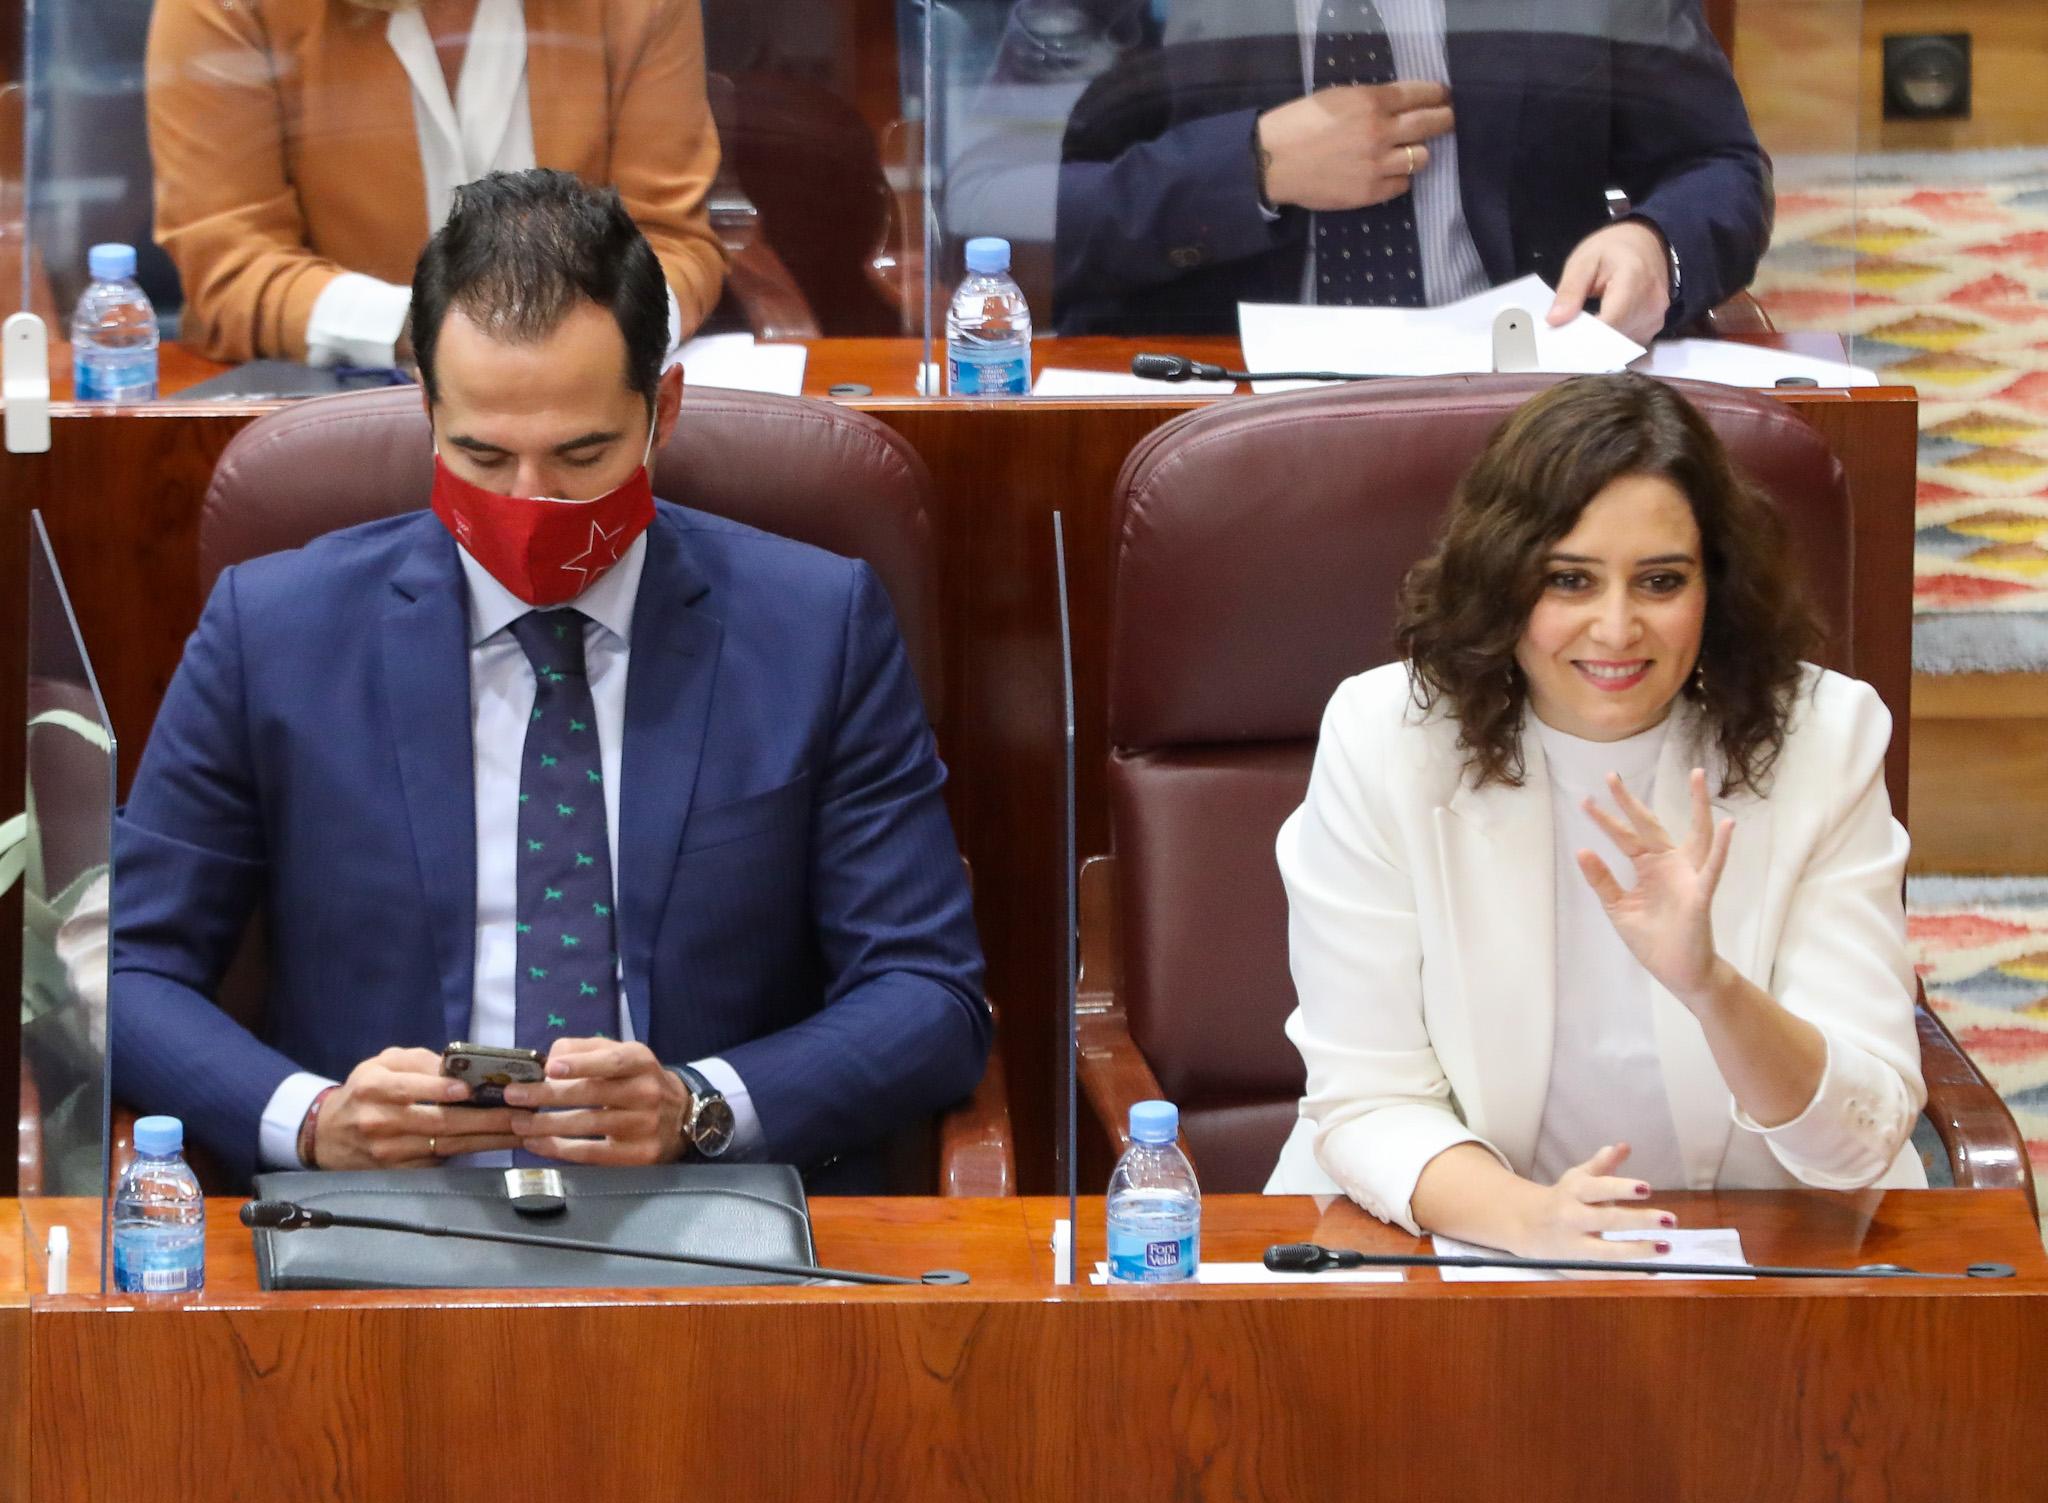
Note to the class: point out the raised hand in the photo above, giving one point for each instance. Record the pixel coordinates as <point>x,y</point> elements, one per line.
<point>1666,918</point>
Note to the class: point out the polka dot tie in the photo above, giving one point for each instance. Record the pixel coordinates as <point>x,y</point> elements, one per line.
<point>566,985</point>
<point>1369,255</point>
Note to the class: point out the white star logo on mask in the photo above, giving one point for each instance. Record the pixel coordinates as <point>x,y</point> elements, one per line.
<point>588,563</point>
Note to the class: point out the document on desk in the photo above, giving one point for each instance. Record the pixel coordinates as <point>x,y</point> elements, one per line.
<point>1259,1273</point>
<point>737,363</point>
<point>1060,381</point>
<point>1718,1245</point>
<point>1731,362</point>
<point>1451,340</point>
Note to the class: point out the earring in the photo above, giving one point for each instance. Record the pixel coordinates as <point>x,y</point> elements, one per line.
<point>1699,679</point>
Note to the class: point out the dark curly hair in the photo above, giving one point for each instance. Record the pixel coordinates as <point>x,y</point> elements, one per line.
<point>1464,607</point>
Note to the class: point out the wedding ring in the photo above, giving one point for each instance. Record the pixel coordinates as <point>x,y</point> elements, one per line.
<point>433,1148</point>
<point>1411,159</point>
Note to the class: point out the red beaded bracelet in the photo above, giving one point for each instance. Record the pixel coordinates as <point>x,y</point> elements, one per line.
<point>309,1130</point>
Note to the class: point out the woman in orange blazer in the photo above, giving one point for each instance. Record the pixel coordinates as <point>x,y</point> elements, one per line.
<point>289,136</point>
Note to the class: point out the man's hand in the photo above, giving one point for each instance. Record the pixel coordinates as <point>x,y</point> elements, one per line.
<point>1346,148</point>
<point>603,1103</point>
<point>1625,266</point>
<point>396,1112</point>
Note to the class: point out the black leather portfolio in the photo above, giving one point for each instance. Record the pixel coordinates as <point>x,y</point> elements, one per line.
<point>753,1211</point>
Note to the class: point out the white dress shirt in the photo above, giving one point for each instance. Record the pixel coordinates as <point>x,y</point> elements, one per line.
<point>486,126</point>
<point>1606,1077</point>
<point>1451,267</point>
<point>501,694</point>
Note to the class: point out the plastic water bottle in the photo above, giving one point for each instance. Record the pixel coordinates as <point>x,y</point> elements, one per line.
<point>159,1215</point>
<point>113,332</point>
<point>1155,1206</point>
<point>988,328</point>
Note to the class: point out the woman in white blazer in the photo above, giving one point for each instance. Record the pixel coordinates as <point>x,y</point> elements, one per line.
<point>1597,892</point>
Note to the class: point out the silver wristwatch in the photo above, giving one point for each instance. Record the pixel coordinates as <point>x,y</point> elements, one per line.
<point>709,1127</point>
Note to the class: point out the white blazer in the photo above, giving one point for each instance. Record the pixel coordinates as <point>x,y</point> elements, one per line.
<point>1422,937</point>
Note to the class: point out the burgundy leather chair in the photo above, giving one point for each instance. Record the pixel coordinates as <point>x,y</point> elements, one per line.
<point>808,470</point>
<point>1258,547</point>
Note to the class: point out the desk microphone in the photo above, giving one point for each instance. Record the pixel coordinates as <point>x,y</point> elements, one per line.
<point>1180,368</point>
<point>1308,1257</point>
<point>290,1216</point>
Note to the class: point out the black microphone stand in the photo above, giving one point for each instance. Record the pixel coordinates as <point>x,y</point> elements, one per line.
<point>290,1216</point>
<point>1308,1257</point>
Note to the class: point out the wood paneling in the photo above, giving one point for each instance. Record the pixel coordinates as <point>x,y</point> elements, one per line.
<point>2009,49</point>
<point>1980,773</point>
<point>1812,73</point>
<point>122,493</point>
<point>1008,1388</point>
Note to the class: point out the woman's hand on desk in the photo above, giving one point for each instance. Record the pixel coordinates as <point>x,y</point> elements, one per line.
<point>1666,918</point>
<point>1566,1220</point>
<point>398,1111</point>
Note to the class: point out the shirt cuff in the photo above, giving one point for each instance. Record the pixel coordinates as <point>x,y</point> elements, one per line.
<point>1849,1133</point>
<point>356,320</point>
<point>747,1144</point>
<point>277,1144</point>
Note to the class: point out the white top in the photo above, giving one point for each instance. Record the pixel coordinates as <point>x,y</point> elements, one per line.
<point>1606,1080</point>
<point>501,693</point>
<point>487,126</point>
<point>1451,268</point>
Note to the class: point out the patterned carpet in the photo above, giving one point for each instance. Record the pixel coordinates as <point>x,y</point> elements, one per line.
<point>1981,944</point>
<point>1937,268</point>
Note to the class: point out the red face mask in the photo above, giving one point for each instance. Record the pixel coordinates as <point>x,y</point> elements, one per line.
<point>542,550</point>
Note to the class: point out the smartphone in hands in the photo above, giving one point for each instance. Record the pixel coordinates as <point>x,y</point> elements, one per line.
<point>487,1070</point>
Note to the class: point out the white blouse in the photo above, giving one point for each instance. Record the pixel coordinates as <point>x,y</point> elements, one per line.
<point>1606,1078</point>
<point>486,126</point>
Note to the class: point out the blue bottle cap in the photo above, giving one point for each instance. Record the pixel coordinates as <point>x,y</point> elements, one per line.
<point>111,262</point>
<point>158,1136</point>
<point>1155,1122</point>
<point>988,255</point>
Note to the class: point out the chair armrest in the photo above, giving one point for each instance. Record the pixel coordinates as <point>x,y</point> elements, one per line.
<point>28,1156</point>
<point>1741,314</point>
<point>1985,1149</point>
<point>1114,1074</point>
<point>976,1153</point>
<point>774,305</point>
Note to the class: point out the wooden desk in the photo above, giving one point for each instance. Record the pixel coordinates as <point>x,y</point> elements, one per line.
<point>14,1356</point>
<point>121,493</point>
<point>1010,1388</point>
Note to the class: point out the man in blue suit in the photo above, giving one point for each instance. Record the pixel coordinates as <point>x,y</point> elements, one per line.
<point>1446,145</point>
<point>650,792</point>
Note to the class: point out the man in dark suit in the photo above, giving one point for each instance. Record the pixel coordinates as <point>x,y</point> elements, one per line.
<point>645,790</point>
<point>1457,143</point>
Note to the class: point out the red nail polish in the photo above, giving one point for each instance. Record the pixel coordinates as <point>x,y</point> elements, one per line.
<point>1663,1247</point>
<point>1667,1220</point>
<point>1642,1189</point>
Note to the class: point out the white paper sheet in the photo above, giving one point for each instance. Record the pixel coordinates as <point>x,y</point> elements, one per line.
<point>737,363</point>
<point>1720,1246</point>
<point>1454,339</point>
<point>1061,381</point>
<point>1259,1273</point>
<point>1733,363</point>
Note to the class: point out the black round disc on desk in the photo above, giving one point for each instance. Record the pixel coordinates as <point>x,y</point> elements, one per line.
<point>850,389</point>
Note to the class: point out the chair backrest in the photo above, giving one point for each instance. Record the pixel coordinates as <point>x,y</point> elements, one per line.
<point>1258,548</point>
<point>807,470</point>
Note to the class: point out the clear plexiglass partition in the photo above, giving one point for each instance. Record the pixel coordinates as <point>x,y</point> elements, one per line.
<point>65,852</point>
<point>1156,164</point>
<point>277,165</point>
